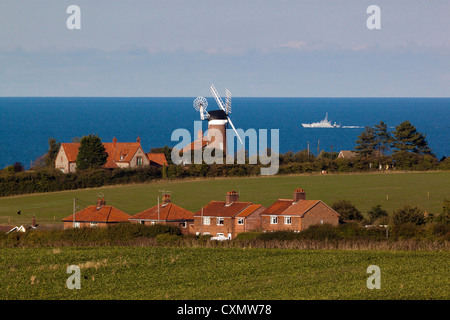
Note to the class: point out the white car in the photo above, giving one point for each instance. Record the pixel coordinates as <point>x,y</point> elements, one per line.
<point>220,238</point>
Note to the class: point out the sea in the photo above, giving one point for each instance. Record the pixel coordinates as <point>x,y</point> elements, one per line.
<point>27,123</point>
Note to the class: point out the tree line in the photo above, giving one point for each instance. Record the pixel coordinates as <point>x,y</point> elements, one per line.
<point>404,149</point>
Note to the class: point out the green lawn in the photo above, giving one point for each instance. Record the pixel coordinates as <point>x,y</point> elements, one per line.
<point>221,273</point>
<point>426,189</point>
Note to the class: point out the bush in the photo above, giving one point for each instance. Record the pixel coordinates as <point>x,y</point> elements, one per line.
<point>408,214</point>
<point>279,235</point>
<point>406,230</point>
<point>346,210</point>
<point>321,232</point>
<point>167,239</point>
<point>86,236</point>
<point>248,236</point>
<point>376,213</point>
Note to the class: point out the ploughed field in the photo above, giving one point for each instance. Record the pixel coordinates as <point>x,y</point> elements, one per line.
<point>391,191</point>
<point>221,273</point>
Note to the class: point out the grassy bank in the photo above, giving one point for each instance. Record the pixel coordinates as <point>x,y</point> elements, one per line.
<point>221,273</point>
<point>425,189</point>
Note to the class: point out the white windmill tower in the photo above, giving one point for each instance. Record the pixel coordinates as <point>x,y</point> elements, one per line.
<point>217,119</point>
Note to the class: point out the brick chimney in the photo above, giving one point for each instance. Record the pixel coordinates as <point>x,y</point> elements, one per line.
<point>100,203</point>
<point>299,194</point>
<point>232,196</point>
<point>33,222</point>
<point>138,139</point>
<point>166,199</point>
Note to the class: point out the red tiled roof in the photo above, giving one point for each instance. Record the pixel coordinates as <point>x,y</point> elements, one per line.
<point>220,209</point>
<point>249,210</point>
<point>159,158</point>
<point>278,207</point>
<point>300,208</point>
<point>105,214</point>
<point>121,151</point>
<point>167,212</point>
<point>287,207</point>
<point>197,144</point>
<point>71,150</point>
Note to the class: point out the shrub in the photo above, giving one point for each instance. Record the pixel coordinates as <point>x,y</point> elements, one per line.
<point>167,239</point>
<point>279,235</point>
<point>376,213</point>
<point>406,230</point>
<point>248,236</point>
<point>320,232</point>
<point>408,214</point>
<point>346,210</point>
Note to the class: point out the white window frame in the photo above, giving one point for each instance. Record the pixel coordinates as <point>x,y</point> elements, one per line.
<point>206,221</point>
<point>273,219</point>
<point>93,225</point>
<point>76,225</point>
<point>240,221</point>
<point>220,221</point>
<point>288,220</point>
<point>220,234</point>
<point>183,224</point>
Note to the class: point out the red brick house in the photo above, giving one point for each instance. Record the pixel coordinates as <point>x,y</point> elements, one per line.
<point>120,155</point>
<point>166,213</point>
<point>99,215</point>
<point>297,214</point>
<point>228,218</point>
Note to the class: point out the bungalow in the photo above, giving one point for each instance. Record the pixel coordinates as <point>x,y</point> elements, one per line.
<point>99,215</point>
<point>166,213</point>
<point>120,155</point>
<point>228,218</point>
<point>297,214</point>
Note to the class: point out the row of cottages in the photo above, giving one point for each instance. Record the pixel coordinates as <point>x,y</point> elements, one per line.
<point>221,219</point>
<point>102,215</point>
<point>120,155</point>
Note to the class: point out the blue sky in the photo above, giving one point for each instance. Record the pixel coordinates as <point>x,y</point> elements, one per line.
<point>252,47</point>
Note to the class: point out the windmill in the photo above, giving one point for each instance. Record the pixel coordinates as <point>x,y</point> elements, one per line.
<point>217,119</point>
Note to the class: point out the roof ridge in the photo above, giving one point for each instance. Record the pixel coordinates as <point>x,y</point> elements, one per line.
<point>242,209</point>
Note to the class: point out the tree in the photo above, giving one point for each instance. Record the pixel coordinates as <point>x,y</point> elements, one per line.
<point>53,149</point>
<point>18,167</point>
<point>408,214</point>
<point>365,145</point>
<point>376,212</point>
<point>382,137</point>
<point>91,153</point>
<point>407,138</point>
<point>346,210</point>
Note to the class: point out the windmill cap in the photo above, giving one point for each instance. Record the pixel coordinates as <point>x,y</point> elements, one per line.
<point>217,115</point>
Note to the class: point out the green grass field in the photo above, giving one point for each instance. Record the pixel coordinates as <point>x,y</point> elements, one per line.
<point>425,189</point>
<point>221,273</point>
